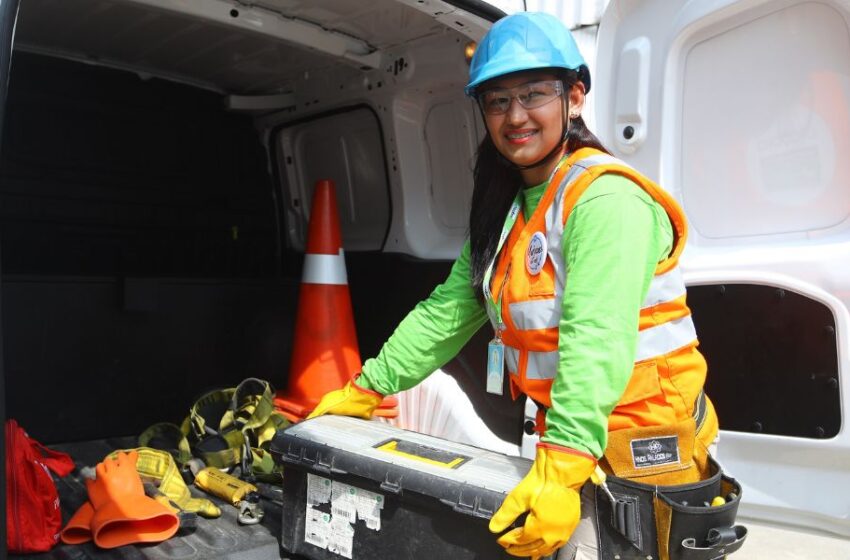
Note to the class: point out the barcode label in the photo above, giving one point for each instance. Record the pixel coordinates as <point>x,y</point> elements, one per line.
<point>344,512</point>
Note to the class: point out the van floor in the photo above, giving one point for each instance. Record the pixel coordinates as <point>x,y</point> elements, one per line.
<point>212,538</point>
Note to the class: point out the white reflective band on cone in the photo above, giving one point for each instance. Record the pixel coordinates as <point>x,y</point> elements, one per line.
<point>324,269</point>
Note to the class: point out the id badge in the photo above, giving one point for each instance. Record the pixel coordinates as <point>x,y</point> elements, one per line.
<point>495,366</point>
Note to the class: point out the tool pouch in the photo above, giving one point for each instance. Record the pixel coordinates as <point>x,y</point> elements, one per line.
<point>669,522</point>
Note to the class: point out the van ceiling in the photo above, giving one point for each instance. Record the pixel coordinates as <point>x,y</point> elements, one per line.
<point>224,51</point>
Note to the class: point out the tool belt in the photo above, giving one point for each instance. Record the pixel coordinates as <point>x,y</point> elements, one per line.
<point>669,522</point>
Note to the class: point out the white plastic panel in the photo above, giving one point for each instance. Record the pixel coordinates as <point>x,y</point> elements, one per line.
<point>747,125</point>
<point>773,94</point>
<point>632,95</point>
<point>347,148</point>
<point>447,137</point>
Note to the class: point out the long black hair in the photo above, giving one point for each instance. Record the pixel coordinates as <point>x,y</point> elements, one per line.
<point>496,183</point>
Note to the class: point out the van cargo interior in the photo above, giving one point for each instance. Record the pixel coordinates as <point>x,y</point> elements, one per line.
<point>151,248</point>
<point>144,228</point>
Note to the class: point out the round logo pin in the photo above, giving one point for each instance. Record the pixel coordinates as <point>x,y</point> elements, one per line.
<point>536,254</point>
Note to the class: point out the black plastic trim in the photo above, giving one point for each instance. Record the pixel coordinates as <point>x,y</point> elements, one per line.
<point>477,7</point>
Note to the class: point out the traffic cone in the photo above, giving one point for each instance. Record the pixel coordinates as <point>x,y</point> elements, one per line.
<point>325,355</point>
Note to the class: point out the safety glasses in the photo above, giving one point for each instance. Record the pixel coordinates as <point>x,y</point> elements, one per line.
<point>531,95</point>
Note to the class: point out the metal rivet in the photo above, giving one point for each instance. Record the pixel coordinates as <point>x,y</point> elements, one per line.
<point>628,132</point>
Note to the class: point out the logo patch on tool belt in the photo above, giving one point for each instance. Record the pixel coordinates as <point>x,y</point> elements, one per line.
<point>652,452</point>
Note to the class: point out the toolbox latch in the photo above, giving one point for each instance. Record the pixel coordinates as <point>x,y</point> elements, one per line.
<point>391,486</point>
<point>469,505</point>
<point>325,463</point>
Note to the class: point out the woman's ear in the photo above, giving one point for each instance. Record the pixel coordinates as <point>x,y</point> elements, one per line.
<point>576,98</point>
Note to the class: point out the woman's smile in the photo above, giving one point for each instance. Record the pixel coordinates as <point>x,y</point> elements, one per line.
<point>521,136</point>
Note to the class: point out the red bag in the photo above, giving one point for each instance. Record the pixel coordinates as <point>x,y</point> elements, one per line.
<point>33,517</point>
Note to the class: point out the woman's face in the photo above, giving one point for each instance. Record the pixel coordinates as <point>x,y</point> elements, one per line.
<point>525,135</point>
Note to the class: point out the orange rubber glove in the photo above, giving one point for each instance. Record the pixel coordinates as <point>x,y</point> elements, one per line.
<point>550,495</point>
<point>122,512</point>
<point>78,529</point>
<point>351,400</point>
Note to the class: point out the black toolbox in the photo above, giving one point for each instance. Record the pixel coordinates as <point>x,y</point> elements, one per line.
<point>369,491</point>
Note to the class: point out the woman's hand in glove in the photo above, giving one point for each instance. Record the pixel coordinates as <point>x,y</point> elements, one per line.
<point>550,495</point>
<point>351,400</point>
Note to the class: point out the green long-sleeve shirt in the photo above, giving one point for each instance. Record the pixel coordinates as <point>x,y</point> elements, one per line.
<point>613,239</point>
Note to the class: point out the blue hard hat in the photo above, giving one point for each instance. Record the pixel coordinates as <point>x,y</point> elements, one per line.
<point>525,41</point>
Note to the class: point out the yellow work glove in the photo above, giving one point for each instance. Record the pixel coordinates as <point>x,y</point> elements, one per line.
<point>351,400</point>
<point>550,495</point>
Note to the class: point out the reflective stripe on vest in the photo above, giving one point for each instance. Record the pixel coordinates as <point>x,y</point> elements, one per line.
<point>665,287</point>
<point>665,338</point>
<point>511,358</point>
<point>546,313</point>
<point>536,314</point>
<point>540,365</point>
<point>658,340</point>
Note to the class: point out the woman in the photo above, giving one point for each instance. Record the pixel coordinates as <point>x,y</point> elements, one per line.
<point>573,256</point>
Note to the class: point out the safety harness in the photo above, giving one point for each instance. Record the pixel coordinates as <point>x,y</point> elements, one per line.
<point>225,428</point>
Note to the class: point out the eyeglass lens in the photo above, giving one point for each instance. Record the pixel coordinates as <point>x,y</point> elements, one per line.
<point>530,96</point>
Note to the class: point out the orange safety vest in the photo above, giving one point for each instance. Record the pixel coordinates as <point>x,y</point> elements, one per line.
<point>663,422</point>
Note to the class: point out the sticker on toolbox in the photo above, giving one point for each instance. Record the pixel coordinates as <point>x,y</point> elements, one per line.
<point>341,539</point>
<point>317,527</point>
<point>335,530</point>
<point>318,490</point>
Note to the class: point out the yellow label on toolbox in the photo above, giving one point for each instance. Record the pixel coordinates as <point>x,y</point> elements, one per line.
<point>423,453</point>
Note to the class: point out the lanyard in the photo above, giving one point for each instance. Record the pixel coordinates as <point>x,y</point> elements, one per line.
<point>513,213</point>
<point>510,220</point>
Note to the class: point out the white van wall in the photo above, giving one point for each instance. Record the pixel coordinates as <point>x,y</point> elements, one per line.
<point>429,130</point>
<point>348,148</point>
<point>740,109</point>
